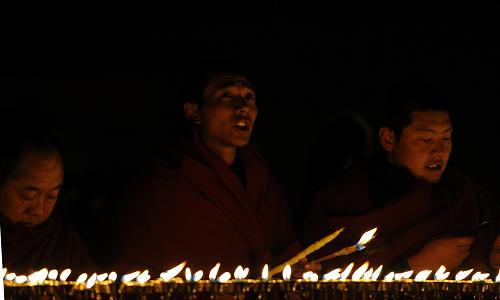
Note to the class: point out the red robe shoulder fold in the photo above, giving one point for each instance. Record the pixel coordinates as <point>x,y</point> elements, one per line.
<point>408,215</point>
<point>53,245</point>
<point>200,212</point>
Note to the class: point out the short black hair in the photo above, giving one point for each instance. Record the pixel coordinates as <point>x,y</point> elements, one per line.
<point>411,96</point>
<point>196,80</point>
<point>17,142</point>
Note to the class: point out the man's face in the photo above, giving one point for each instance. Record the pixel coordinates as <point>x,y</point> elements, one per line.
<point>28,198</point>
<point>425,145</point>
<point>229,111</point>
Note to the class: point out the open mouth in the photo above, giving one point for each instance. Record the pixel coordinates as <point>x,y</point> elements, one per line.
<point>242,125</point>
<point>434,166</point>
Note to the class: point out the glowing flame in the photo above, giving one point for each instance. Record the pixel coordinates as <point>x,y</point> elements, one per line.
<point>287,272</point>
<point>368,274</point>
<point>64,274</point>
<point>461,275</point>
<point>310,276</point>
<point>91,281</point>
<point>112,276</point>
<point>441,274</point>
<point>423,275</point>
<point>389,277</point>
<point>188,274</point>
<point>102,277</point>
<point>265,272</point>
<point>213,273</point>
<point>143,277</point>
<point>131,276</point>
<point>332,275</point>
<point>3,272</point>
<point>366,237</point>
<point>168,275</point>
<point>82,278</point>
<point>10,276</point>
<point>478,276</point>
<point>360,271</point>
<point>497,279</point>
<point>241,273</point>
<point>42,275</point>
<point>53,275</point>
<point>21,279</point>
<point>377,272</point>
<point>404,275</point>
<point>346,272</point>
<point>198,275</point>
<point>33,277</point>
<point>225,277</point>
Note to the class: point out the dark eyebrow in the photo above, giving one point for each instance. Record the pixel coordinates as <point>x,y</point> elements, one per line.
<point>425,129</point>
<point>35,189</point>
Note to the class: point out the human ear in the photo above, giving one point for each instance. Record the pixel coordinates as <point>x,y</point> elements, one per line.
<point>387,138</point>
<point>191,111</point>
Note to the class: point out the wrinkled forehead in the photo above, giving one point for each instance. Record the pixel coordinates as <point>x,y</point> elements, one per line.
<point>222,81</point>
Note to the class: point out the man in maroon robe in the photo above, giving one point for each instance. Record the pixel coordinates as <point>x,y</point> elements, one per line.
<point>427,212</point>
<point>36,234</point>
<point>217,202</point>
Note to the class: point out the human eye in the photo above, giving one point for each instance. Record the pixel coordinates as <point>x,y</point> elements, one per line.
<point>26,196</point>
<point>250,96</point>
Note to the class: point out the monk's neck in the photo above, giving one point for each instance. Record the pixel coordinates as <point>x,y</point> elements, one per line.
<point>227,154</point>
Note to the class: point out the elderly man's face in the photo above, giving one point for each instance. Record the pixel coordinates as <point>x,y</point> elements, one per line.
<point>425,145</point>
<point>28,198</point>
<point>229,111</point>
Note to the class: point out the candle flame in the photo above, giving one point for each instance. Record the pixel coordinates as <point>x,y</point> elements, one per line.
<point>143,277</point>
<point>478,276</point>
<point>404,275</point>
<point>3,272</point>
<point>368,274</point>
<point>389,277</point>
<point>188,274</point>
<point>102,277</point>
<point>497,279</point>
<point>225,277</point>
<point>42,275</point>
<point>82,278</point>
<point>213,273</point>
<point>265,272</point>
<point>461,275</point>
<point>10,276</point>
<point>91,281</point>
<point>287,272</point>
<point>168,275</point>
<point>332,275</point>
<point>423,275</point>
<point>112,276</point>
<point>238,273</point>
<point>307,275</point>
<point>441,274</point>
<point>53,275</point>
<point>366,237</point>
<point>314,277</point>
<point>64,274</point>
<point>377,272</point>
<point>360,271</point>
<point>21,279</point>
<point>33,277</point>
<point>131,276</point>
<point>198,275</point>
<point>346,272</point>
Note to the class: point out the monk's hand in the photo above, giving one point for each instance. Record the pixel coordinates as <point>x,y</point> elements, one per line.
<point>449,252</point>
<point>495,253</point>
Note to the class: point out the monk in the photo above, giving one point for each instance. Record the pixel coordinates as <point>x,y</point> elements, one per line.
<point>428,212</point>
<point>36,233</point>
<point>216,201</point>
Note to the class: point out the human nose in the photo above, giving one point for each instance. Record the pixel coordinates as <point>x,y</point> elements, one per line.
<point>441,147</point>
<point>38,207</point>
<point>241,105</point>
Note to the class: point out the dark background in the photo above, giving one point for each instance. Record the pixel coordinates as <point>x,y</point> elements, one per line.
<point>106,78</point>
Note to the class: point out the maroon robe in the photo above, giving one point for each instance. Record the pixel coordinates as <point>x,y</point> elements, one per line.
<point>200,212</point>
<point>407,213</point>
<point>53,244</point>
